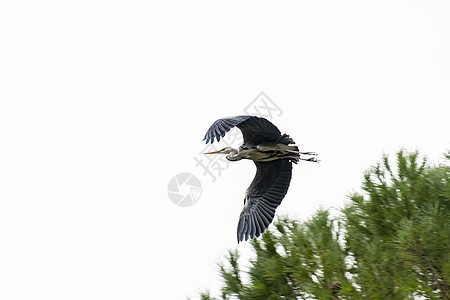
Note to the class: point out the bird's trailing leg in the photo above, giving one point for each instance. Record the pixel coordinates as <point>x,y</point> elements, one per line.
<point>311,159</point>
<point>308,153</point>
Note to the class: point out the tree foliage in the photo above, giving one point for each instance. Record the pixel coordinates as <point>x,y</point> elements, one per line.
<point>390,242</point>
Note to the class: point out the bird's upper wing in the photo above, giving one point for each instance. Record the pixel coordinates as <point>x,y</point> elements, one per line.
<point>255,130</point>
<point>263,196</point>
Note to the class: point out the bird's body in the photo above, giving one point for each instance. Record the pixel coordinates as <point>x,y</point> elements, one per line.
<point>264,152</point>
<point>273,154</point>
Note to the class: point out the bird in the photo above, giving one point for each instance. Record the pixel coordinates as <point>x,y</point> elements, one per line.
<point>273,154</point>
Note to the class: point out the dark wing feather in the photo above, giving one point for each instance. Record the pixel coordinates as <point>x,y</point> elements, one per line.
<point>263,196</point>
<point>258,130</point>
<point>255,130</point>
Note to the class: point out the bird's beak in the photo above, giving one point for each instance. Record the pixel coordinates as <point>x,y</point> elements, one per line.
<point>214,152</point>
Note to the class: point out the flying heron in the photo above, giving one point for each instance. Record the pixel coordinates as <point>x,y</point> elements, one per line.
<point>273,154</point>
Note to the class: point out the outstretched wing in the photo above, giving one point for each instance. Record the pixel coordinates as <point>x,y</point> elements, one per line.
<point>263,196</point>
<point>255,130</point>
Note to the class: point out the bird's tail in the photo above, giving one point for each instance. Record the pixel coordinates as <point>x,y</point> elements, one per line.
<point>285,139</point>
<point>290,151</point>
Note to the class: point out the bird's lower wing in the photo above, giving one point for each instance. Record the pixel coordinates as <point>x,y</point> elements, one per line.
<point>265,193</point>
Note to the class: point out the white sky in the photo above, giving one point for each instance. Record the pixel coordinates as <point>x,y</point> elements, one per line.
<point>103,102</point>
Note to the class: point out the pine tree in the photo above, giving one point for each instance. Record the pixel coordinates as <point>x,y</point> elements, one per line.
<point>390,242</point>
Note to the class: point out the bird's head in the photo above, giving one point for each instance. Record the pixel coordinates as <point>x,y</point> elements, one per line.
<point>226,150</point>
